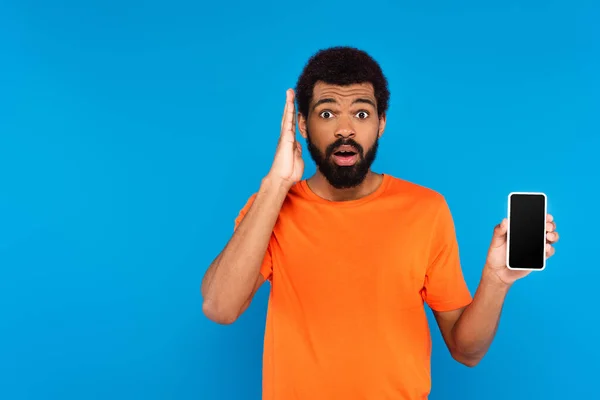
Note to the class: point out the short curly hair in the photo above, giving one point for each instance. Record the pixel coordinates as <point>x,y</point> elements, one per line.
<point>341,65</point>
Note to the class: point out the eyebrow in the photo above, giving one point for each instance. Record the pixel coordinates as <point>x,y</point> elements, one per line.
<point>332,100</point>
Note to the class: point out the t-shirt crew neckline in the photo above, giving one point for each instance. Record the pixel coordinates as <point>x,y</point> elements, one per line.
<point>347,203</point>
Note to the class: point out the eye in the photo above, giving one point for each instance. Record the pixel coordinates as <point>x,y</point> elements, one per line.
<point>326,114</point>
<point>362,114</point>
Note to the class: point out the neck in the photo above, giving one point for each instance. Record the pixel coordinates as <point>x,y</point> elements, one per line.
<point>322,188</point>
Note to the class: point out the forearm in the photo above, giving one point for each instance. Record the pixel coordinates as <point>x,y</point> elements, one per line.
<point>474,331</point>
<point>232,276</point>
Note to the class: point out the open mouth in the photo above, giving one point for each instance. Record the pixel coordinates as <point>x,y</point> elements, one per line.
<point>345,155</point>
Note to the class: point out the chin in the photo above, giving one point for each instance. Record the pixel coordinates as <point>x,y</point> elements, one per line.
<point>345,182</point>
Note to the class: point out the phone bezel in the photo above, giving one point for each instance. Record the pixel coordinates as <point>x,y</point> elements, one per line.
<point>510,195</point>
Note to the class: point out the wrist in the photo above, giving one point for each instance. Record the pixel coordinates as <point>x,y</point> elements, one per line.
<point>273,185</point>
<point>490,277</point>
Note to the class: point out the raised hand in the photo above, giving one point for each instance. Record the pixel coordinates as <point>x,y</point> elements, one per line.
<point>496,259</point>
<point>288,166</point>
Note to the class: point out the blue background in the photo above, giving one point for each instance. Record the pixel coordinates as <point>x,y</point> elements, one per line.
<point>131,133</point>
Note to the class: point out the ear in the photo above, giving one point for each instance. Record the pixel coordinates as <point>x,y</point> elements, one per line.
<point>302,125</point>
<point>382,120</point>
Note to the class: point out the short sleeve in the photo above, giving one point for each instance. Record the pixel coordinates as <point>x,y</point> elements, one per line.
<point>266,268</point>
<point>445,288</point>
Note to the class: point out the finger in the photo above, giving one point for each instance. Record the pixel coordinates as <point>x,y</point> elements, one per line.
<point>549,218</point>
<point>499,236</point>
<point>288,125</point>
<point>298,154</point>
<point>291,110</point>
<point>501,228</point>
<point>552,237</point>
<point>550,250</point>
<point>285,109</point>
<point>550,227</point>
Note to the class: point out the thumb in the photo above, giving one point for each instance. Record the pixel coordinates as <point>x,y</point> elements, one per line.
<point>298,152</point>
<point>499,236</point>
<point>298,157</point>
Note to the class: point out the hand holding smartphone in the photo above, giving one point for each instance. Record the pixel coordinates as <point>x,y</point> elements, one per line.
<point>526,234</point>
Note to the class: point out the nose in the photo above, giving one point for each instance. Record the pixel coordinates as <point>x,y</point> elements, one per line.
<point>345,129</point>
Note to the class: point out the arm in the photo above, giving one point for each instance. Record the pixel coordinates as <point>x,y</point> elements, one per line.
<point>468,332</point>
<point>234,276</point>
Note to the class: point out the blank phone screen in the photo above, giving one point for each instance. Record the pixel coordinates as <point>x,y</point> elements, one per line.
<point>527,231</point>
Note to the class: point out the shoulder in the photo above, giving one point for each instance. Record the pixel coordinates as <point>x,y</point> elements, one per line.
<point>419,193</point>
<point>430,205</point>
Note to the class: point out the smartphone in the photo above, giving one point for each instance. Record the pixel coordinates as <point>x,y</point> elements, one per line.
<point>526,234</point>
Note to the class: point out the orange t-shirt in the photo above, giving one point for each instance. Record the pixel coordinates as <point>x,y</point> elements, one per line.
<point>349,280</point>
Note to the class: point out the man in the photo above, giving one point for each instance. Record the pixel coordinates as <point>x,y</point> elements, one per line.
<point>352,255</point>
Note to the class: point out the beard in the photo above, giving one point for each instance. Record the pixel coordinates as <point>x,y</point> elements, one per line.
<point>338,176</point>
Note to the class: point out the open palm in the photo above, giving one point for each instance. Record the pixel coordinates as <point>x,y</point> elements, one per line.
<point>288,165</point>
<point>496,258</point>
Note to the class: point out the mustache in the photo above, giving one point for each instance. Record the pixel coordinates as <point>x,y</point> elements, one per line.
<point>341,142</point>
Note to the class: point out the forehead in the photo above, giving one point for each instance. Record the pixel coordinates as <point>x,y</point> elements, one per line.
<point>342,93</point>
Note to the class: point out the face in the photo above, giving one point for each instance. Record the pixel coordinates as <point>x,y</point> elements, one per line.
<point>342,132</point>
